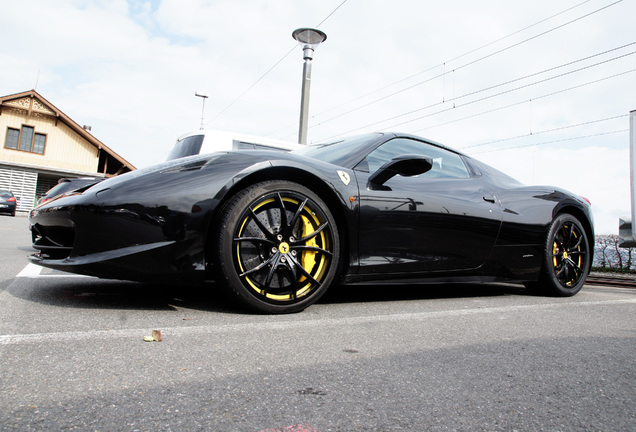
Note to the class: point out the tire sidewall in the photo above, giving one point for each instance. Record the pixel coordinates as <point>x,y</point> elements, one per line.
<point>224,257</point>
<point>550,281</point>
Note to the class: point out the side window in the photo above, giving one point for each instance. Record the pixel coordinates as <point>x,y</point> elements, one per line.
<point>446,164</point>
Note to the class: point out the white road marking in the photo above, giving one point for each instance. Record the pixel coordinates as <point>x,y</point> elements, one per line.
<point>35,271</point>
<point>13,339</point>
<point>30,271</point>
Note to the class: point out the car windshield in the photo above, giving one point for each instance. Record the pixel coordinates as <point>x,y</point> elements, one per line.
<point>345,152</point>
<point>186,147</point>
<point>5,194</point>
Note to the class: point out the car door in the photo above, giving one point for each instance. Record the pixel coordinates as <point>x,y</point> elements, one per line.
<point>443,220</point>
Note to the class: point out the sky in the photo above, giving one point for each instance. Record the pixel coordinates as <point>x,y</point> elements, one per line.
<point>541,90</point>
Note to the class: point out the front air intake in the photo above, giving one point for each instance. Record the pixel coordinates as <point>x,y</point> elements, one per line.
<point>53,242</point>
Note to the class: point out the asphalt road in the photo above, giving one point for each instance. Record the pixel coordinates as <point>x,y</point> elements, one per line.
<point>439,358</point>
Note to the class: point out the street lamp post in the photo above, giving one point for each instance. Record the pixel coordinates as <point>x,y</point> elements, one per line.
<point>310,38</point>
<point>203,96</point>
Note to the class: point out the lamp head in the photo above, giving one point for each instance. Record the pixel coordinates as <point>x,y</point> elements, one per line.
<point>310,38</point>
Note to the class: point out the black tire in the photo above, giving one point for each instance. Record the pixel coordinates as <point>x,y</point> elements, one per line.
<point>566,259</point>
<point>276,261</point>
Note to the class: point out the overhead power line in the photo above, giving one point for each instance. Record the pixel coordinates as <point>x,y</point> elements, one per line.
<point>471,62</point>
<point>453,59</point>
<point>250,87</point>
<point>426,70</point>
<point>456,106</point>
<point>332,12</point>
<point>543,132</point>
<point>506,106</point>
<point>269,70</point>
<point>530,100</point>
<point>501,85</point>
<point>553,142</point>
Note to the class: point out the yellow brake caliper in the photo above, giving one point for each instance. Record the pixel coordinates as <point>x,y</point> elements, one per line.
<point>308,258</point>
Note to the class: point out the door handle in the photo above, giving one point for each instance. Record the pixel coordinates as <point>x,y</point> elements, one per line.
<point>489,198</point>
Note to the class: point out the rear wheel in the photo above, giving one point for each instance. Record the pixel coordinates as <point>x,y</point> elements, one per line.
<point>566,261</point>
<point>278,247</point>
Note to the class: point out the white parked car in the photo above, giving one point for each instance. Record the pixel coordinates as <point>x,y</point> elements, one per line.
<point>208,141</point>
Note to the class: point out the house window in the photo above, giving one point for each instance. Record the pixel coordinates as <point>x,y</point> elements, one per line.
<point>13,138</point>
<point>25,139</point>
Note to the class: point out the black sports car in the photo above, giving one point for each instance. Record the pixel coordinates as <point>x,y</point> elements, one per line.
<point>278,229</point>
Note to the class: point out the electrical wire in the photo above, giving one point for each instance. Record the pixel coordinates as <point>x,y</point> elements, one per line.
<point>424,71</point>
<point>453,59</point>
<point>250,87</point>
<point>552,142</point>
<point>332,12</point>
<point>455,106</point>
<point>269,70</point>
<point>543,132</point>
<point>530,100</point>
<point>470,63</point>
<point>499,85</point>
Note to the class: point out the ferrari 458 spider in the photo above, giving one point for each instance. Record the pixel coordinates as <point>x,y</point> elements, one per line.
<point>278,229</point>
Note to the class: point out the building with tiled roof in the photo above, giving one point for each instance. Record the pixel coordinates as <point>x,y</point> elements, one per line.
<point>39,145</point>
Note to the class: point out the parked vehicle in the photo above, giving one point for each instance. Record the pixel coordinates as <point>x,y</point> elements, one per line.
<point>208,141</point>
<point>68,185</point>
<point>278,229</point>
<point>8,203</point>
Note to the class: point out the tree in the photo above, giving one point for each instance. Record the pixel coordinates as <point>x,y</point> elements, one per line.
<point>601,249</point>
<point>608,253</point>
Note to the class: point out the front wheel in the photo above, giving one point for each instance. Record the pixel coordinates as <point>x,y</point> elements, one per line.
<point>278,247</point>
<point>567,259</point>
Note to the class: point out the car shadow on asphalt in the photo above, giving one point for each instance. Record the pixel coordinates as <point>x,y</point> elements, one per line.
<point>89,293</point>
<point>384,293</point>
<point>93,293</point>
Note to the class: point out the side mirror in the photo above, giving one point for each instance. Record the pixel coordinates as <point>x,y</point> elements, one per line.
<point>405,165</point>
